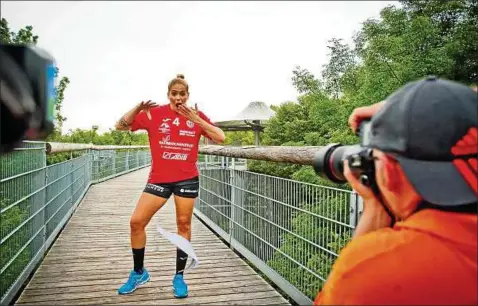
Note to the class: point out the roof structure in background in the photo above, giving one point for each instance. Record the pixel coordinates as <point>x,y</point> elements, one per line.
<point>255,115</point>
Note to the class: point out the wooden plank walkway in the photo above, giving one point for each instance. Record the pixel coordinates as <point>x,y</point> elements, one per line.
<point>92,258</point>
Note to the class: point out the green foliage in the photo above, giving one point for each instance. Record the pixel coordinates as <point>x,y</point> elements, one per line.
<point>23,36</point>
<point>240,138</point>
<point>60,96</point>
<point>342,60</point>
<point>325,234</point>
<point>304,81</point>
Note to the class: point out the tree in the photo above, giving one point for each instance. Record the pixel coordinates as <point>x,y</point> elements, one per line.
<point>26,36</point>
<point>23,36</point>
<point>456,22</point>
<point>342,59</point>
<point>239,138</point>
<point>304,81</point>
<point>419,39</point>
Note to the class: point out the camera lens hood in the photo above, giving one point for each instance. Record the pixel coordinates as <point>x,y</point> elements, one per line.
<point>322,161</point>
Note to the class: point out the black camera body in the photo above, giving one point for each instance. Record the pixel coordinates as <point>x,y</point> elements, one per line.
<point>27,94</point>
<point>328,162</point>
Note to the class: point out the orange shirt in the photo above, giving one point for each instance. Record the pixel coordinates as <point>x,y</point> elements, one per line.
<point>430,258</point>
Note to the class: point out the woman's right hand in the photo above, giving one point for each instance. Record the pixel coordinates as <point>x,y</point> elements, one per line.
<point>362,113</point>
<point>146,105</point>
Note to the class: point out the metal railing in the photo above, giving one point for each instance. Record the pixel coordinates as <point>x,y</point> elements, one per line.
<point>212,161</point>
<point>37,200</point>
<point>291,231</point>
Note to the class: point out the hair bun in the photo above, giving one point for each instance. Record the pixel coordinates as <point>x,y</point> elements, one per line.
<point>180,76</point>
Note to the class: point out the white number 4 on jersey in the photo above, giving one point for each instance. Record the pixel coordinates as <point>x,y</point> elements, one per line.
<point>176,121</point>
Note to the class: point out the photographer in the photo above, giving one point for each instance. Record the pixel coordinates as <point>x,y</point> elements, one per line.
<point>416,242</point>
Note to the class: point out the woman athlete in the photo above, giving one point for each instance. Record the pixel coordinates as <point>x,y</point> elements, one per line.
<point>174,132</point>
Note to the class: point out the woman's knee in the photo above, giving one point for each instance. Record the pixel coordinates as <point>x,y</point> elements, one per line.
<point>184,224</point>
<point>137,224</point>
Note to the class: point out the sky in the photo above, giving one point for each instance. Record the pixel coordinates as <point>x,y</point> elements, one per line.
<point>119,53</point>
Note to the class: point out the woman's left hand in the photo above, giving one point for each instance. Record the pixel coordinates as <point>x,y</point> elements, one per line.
<point>191,114</point>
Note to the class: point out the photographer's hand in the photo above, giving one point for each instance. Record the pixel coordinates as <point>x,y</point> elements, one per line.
<point>374,216</point>
<point>362,113</point>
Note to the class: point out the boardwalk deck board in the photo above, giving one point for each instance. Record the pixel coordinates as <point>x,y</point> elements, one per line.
<point>92,257</point>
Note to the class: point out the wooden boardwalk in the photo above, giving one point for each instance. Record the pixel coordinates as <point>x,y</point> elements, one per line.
<point>92,258</point>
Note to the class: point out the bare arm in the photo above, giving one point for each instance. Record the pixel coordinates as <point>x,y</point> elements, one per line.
<point>124,123</point>
<point>216,134</point>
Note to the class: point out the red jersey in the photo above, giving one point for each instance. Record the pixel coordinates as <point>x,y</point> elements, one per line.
<point>174,142</point>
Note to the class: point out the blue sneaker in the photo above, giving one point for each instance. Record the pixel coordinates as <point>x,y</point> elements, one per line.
<point>134,281</point>
<point>179,286</point>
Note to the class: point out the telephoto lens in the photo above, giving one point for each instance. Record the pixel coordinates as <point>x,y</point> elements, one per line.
<point>328,162</point>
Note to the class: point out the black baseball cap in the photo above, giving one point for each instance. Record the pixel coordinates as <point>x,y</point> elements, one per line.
<point>430,127</point>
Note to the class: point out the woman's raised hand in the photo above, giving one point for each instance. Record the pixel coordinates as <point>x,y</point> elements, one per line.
<point>146,105</point>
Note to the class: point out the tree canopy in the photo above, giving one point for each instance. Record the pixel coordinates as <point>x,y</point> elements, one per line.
<point>407,42</point>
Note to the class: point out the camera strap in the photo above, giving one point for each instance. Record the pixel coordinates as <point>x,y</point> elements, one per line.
<point>377,193</point>
<point>389,212</point>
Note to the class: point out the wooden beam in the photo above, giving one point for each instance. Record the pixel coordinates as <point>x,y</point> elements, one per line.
<point>57,147</point>
<point>287,154</point>
<point>235,128</point>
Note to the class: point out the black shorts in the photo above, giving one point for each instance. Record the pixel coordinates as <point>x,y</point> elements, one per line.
<point>188,188</point>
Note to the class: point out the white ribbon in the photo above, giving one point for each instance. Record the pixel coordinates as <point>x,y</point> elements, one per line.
<point>183,244</point>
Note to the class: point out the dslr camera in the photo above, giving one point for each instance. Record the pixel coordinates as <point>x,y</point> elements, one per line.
<point>27,94</point>
<point>328,162</point>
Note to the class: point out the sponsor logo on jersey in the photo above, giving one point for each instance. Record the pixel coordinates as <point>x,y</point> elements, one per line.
<point>174,156</point>
<point>190,124</point>
<point>176,144</point>
<point>164,128</point>
<point>187,133</point>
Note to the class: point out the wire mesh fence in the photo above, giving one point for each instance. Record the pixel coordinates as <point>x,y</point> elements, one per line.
<point>292,231</point>
<point>37,200</point>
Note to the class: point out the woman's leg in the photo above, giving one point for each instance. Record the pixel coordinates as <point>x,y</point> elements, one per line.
<point>185,193</point>
<point>147,206</point>
<point>184,213</point>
